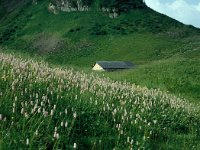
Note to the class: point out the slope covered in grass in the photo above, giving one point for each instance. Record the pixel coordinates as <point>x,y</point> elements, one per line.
<point>154,42</point>
<point>53,108</point>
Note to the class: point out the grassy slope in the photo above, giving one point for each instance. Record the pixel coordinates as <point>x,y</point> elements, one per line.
<point>36,102</point>
<point>164,50</point>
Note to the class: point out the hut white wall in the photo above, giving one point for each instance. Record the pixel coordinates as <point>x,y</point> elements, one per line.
<point>97,67</point>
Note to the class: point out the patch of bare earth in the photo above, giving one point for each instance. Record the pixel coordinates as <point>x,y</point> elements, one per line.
<point>47,43</point>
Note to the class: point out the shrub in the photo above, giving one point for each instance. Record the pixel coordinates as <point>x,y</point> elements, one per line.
<point>98,29</point>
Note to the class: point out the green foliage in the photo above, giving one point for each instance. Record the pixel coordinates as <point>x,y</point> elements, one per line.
<point>8,34</point>
<point>88,2</point>
<point>123,6</point>
<point>77,29</point>
<point>97,29</point>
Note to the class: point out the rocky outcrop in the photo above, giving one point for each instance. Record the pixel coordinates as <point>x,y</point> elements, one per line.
<point>69,5</point>
<point>112,7</point>
<point>76,5</point>
<point>52,8</point>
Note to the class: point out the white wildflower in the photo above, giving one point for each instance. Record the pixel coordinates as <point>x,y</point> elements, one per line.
<point>66,124</point>
<point>27,141</point>
<point>74,115</point>
<point>75,146</point>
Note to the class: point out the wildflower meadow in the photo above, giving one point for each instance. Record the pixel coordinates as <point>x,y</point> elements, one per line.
<point>43,107</point>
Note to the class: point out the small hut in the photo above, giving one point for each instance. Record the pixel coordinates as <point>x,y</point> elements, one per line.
<point>112,65</point>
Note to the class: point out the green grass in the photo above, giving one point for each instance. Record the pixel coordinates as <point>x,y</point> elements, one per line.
<point>179,76</point>
<point>53,108</point>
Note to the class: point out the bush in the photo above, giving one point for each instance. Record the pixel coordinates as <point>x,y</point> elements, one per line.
<point>98,29</point>
<point>7,34</point>
<point>123,6</point>
<point>77,29</point>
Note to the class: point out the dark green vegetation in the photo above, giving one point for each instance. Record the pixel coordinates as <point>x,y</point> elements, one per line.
<point>165,51</point>
<point>122,6</point>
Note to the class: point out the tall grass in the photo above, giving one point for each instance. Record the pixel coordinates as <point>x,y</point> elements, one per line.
<point>52,108</point>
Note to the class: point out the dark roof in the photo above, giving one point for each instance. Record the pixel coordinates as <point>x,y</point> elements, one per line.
<point>115,64</point>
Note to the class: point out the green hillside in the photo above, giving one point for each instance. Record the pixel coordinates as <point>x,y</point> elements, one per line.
<point>165,51</point>
<point>80,38</point>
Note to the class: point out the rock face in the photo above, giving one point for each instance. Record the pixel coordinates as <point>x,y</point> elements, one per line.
<point>69,5</point>
<point>55,6</point>
<point>52,8</point>
<point>112,7</point>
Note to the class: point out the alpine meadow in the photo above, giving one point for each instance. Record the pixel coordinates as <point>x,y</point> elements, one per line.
<point>51,98</point>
